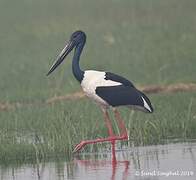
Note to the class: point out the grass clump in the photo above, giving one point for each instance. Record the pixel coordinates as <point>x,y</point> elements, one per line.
<point>57,128</point>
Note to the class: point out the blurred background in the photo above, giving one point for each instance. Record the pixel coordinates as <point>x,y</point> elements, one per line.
<point>148,42</point>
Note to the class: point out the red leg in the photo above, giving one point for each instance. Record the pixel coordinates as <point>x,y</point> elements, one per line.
<point>112,138</point>
<point>113,154</point>
<point>108,122</point>
<point>121,125</point>
<point>108,139</point>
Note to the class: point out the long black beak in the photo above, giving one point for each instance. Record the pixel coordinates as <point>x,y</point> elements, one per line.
<point>66,50</point>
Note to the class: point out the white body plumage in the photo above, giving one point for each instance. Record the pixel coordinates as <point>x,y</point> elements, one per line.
<point>93,79</point>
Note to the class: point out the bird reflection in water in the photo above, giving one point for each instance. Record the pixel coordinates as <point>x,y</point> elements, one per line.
<point>113,163</point>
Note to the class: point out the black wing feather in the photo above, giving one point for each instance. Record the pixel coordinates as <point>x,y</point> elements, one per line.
<point>122,95</point>
<point>117,78</point>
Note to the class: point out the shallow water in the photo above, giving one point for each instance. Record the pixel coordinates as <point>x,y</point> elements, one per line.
<point>171,161</point>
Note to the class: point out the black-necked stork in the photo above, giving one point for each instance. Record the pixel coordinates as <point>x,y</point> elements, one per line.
<point>105,88</point>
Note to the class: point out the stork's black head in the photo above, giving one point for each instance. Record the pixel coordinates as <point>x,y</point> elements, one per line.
<point>77,38</point>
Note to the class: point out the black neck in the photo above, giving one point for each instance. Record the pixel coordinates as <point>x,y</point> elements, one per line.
<point>78,73</point>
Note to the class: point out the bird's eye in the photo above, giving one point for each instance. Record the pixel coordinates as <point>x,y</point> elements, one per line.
<point>75,36</point>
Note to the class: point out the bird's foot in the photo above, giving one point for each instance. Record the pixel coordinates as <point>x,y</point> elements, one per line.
<point>79,146</point>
